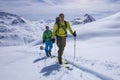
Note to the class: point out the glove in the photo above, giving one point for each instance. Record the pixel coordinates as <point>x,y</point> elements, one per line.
<point>53,40</point>
<point>74,34</point>
<point>43,41</point>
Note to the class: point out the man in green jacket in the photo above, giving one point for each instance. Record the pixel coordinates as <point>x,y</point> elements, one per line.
<point>60,31</point>
<point>47,39</point>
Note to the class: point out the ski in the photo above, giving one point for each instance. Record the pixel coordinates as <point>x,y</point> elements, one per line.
<point>64,65</point>
<point>64,62</point>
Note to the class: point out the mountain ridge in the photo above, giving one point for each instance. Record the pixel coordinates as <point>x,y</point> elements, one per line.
<point>83,20</point>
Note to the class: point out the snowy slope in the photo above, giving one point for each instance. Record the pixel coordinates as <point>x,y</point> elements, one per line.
<point>98,46</point>
<point>16,30</point>
<point>97,56</point>
<point>21,66</point>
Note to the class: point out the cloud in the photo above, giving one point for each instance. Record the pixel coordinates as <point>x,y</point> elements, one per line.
<point>98,7</point>
<point>91,5</point>
<point>51,8</point>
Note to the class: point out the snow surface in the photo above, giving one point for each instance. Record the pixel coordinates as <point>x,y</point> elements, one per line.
<point>97,55</point>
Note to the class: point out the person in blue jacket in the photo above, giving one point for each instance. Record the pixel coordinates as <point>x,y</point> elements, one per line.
<point>47,39</point>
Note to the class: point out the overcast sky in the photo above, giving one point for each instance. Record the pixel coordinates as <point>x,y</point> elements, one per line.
<point>49,9</point>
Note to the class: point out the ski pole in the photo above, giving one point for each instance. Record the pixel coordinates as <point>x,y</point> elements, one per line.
<point>74,46</point>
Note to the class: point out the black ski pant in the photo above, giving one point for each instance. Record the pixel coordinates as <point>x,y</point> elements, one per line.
<point>61,43</point>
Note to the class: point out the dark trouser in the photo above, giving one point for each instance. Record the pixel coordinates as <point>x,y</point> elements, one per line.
<point>61,42</point>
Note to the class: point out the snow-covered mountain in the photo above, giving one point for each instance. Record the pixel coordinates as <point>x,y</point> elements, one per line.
<point>83,20</point>
<point>15,30</point>
<point>97,55</point>
<point>8,18</point>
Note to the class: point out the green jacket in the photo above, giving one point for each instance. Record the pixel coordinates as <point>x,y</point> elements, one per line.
<point>47,35</point>
<point>61,30</point>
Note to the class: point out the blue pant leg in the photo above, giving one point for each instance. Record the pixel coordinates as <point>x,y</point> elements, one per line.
<point>46,47</point>
<point>50,46</point>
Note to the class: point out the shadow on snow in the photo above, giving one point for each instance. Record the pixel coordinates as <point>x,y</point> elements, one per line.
<point>49,69</point>
<point>39,59</point>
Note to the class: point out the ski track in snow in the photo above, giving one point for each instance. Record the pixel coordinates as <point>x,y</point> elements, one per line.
<point>64,72</point>
<point>49,69</point>
<point>99,75</point>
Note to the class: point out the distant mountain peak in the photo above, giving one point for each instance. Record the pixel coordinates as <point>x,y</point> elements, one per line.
<point>5,14</point>
<point>83,20</point>
<point>12,18</point>
<point>86,15</point>
<point>15,30</point>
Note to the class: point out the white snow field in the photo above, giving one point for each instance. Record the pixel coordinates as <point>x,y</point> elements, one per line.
<point>97,56</point>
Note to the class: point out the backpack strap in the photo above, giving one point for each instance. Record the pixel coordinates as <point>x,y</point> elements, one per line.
<point>62,27</point>
<point>65,23</point>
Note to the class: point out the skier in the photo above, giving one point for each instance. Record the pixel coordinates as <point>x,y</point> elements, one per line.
<point>60,31</point>
<point>47,36</point>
